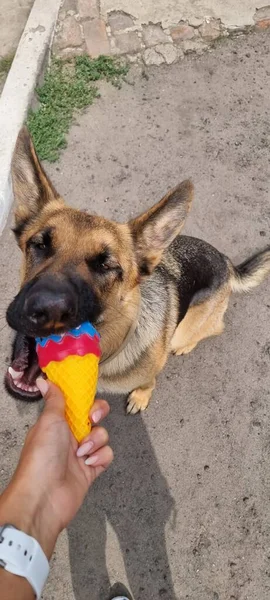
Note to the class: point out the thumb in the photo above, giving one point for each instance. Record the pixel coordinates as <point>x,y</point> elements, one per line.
<point>54,399</point>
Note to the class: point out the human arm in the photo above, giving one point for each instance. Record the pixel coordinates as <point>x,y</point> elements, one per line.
<point>51,480</point>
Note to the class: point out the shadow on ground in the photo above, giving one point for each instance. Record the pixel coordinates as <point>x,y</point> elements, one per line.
<point>139,507</point>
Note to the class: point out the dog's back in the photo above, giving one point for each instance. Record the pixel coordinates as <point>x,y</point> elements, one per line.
<point>195,269</point>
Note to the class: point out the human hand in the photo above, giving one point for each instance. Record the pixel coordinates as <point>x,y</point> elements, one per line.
<point>54,473</point>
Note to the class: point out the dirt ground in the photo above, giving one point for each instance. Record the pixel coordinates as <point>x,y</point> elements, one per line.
<point>184,512</point>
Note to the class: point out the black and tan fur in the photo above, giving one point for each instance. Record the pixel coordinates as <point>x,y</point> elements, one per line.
<point>171,291</point>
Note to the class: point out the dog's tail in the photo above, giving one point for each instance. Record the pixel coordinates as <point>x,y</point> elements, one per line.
<point>251,272</point>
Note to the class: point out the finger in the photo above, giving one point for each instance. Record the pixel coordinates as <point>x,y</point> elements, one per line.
<point>99,411</point>
<point>98,437</point>
<point>103,461</point>
<point>100,470</point>
<point>101,458</point>
<point>52,395</point>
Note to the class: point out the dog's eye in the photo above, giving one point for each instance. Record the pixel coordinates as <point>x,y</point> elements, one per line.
<point>103,263</point>
<point>99,263</point>
<point>39,245</point>
<point>41,242</point>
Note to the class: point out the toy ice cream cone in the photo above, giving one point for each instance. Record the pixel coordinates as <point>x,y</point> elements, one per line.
<point>71,362</point>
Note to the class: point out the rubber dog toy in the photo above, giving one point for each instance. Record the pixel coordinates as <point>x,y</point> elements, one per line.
<point>71,362</point>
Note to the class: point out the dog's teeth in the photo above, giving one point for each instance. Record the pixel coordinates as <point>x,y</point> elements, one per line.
<point>15,374</point>
<point>19,385</point>
<point>26,387</point>
<point>29,388</point>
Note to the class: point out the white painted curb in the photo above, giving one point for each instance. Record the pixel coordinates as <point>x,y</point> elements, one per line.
<point>19,87</point>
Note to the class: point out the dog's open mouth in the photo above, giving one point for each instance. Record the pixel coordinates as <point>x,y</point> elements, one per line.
<point>20,379</point>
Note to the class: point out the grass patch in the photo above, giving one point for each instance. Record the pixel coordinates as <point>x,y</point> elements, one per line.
<point>68,86</point>
<point>5,64</point>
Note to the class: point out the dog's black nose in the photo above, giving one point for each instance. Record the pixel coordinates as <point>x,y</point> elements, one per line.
<point>49,308</point>
<point>48,303</point>
<point>53,303</point>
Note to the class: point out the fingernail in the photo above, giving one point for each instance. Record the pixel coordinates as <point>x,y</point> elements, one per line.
<point>84,449</point>
<point>91,460</point>
<point>97,416</point>
<point>42,385</point>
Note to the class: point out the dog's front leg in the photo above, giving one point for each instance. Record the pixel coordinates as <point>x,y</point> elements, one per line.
<point>140,398</point>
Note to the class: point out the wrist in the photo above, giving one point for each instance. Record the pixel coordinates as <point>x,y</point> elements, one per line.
<point>29,513</point>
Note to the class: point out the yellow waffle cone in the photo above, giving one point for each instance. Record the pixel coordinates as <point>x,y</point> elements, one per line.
<point>77,378</point>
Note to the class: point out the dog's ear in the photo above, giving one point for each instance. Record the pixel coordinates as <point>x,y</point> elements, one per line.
<point>31,187</point>
<point>155,229</point>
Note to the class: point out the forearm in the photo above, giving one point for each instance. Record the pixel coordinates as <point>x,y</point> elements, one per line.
<point>26,512</point>
<point>14,587</point>
<point>49,485</point>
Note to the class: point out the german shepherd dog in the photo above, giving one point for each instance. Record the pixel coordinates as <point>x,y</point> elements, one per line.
<point>147,290</point>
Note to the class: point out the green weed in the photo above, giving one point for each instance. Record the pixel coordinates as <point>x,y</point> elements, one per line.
<point>67,86</point>
<point>5,64</point>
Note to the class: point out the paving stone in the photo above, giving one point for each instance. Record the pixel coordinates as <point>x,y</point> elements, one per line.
<point>263,24</point>
<point>70,52</point>
<point>96,37</point>
<point>70,5</point>
<point>195,21</point>
<point>88,9</point>
<point>168,51</point>
<point>70,34</point>
<point>133,58</point>
<point>262,18</point>
<point>262,14</point>
<point>194,46</point>
<point>210,29</point>
<point>120,20</point>
<point>62,14</point>
<point>127,42</point>
<point>180,53</point>
<point>154,34</point>
<point>151,57</point>
<point>183,31</point>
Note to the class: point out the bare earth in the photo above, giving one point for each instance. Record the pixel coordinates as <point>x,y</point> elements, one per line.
<point>184,511</point>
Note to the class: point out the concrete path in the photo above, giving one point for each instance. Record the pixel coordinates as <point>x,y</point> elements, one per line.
<point>155,31</point>
<point>13,17</point>
<point>183,514</point>
<point>166,12</point>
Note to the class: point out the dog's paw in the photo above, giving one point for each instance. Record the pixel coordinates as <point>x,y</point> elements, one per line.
<point>184,350</point>
<point>138,400</point>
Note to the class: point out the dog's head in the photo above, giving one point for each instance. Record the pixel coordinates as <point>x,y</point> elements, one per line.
<point>77,267</point>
